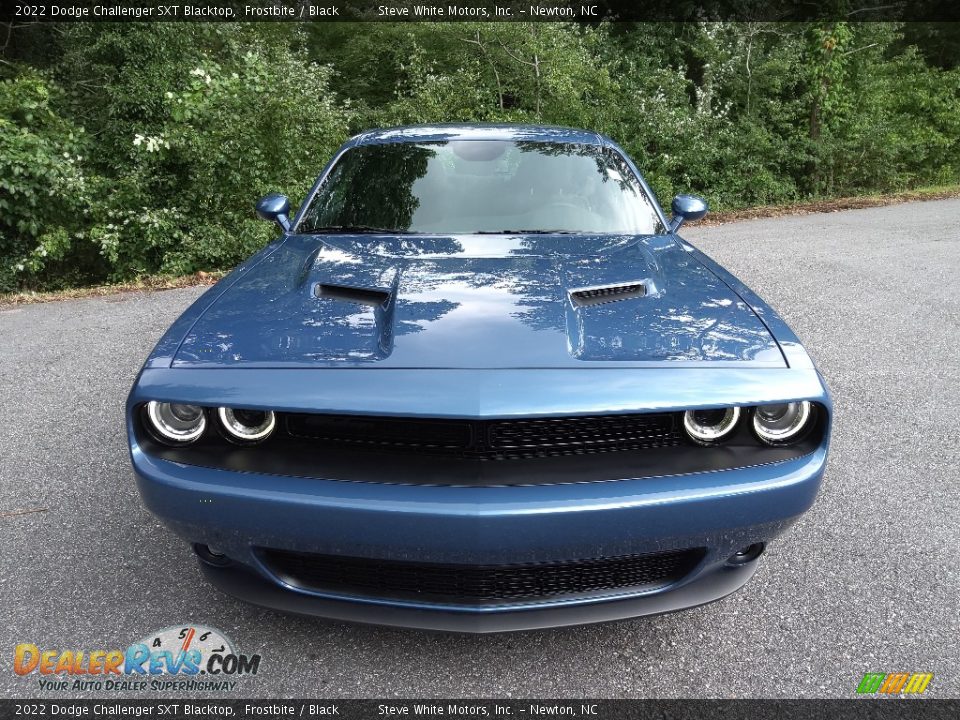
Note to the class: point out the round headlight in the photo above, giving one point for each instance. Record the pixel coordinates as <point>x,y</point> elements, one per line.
<point>784,422</point>
<point>247,426</point>
<point>709,426</point>
<point>175,423</point>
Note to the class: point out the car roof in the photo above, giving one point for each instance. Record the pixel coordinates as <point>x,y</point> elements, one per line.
<point>479,131</point>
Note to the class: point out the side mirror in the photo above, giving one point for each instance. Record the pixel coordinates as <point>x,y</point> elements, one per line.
<point>686,207</point>
<point>275,208</point>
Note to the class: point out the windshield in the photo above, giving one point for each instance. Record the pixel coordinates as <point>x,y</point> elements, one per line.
<point>482,186</point>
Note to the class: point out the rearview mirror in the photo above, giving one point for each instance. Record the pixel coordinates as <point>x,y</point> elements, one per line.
<point>686,207</point>
<point>275,208</point>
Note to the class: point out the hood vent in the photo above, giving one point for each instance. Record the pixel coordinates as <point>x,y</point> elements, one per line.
<point>372,297</point>
<point>607,294</point>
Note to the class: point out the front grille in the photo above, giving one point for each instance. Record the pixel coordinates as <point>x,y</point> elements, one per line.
<point>493,439</point>
<point>480,584</point>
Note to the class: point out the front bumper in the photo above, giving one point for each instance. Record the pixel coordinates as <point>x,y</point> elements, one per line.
<point>721,511</point>
<point>241,513</point>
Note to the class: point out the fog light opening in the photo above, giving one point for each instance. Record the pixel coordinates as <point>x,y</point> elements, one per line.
<point>747,554</point>
<point>211,556</point>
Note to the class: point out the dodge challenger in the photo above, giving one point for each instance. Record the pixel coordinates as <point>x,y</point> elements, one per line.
<point>479,383</point>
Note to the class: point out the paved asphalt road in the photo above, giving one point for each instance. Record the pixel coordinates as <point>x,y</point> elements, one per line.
<point>867,581</point>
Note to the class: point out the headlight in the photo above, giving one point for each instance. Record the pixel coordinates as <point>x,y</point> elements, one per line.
<point>175,423</point>
<point>784,422</point>
<point>247,426</point>
<point>709,426</point>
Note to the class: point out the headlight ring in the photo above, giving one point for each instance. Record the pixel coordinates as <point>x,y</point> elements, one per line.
<point>247,426</point>
<point>707,427</point>
<point>782,423</point>
<point>175,423</point>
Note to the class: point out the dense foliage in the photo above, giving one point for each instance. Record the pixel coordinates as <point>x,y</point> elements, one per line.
<point>136,149</point>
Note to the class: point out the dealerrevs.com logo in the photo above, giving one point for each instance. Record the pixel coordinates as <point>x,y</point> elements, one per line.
<point>180,658</point>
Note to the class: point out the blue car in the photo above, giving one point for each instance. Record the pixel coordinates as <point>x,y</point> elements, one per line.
<point>478,384</point>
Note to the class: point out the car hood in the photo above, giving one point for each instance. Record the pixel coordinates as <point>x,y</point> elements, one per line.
<point>488,301</point>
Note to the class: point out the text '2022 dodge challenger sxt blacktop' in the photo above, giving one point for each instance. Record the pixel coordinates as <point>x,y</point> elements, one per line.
<point>478,384</point>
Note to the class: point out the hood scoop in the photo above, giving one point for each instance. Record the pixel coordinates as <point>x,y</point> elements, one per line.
<point>371,297</point>
<point>600,295</point>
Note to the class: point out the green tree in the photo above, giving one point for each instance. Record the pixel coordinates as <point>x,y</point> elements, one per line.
<point>44,192</point>
<point>135,148</point>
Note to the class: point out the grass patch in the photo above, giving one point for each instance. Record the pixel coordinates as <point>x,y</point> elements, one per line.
<point>144,284</point>
<point>834,205</point>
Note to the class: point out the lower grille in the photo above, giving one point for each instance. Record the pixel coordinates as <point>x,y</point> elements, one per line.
<point>480,584</point>
<point>493,439</point>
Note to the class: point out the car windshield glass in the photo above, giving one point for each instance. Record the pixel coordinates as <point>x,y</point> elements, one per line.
<point>482,186</point>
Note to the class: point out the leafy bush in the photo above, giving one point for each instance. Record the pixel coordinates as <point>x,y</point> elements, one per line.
<point>177,187</point>
<point>43,189</point>
<point>263,121</point>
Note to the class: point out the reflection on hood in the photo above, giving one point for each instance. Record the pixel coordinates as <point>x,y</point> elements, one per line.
<point>477,302</point>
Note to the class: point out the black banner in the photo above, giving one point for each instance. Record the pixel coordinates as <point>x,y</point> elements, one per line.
<point>23,11</point>
<point>898,708</point>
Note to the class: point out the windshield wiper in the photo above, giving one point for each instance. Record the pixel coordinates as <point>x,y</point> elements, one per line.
<point>356,229</point>
<point>527,232</point>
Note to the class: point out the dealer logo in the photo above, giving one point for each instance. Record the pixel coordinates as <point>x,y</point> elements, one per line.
<point>894,683</point>
<point>186,657</point>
